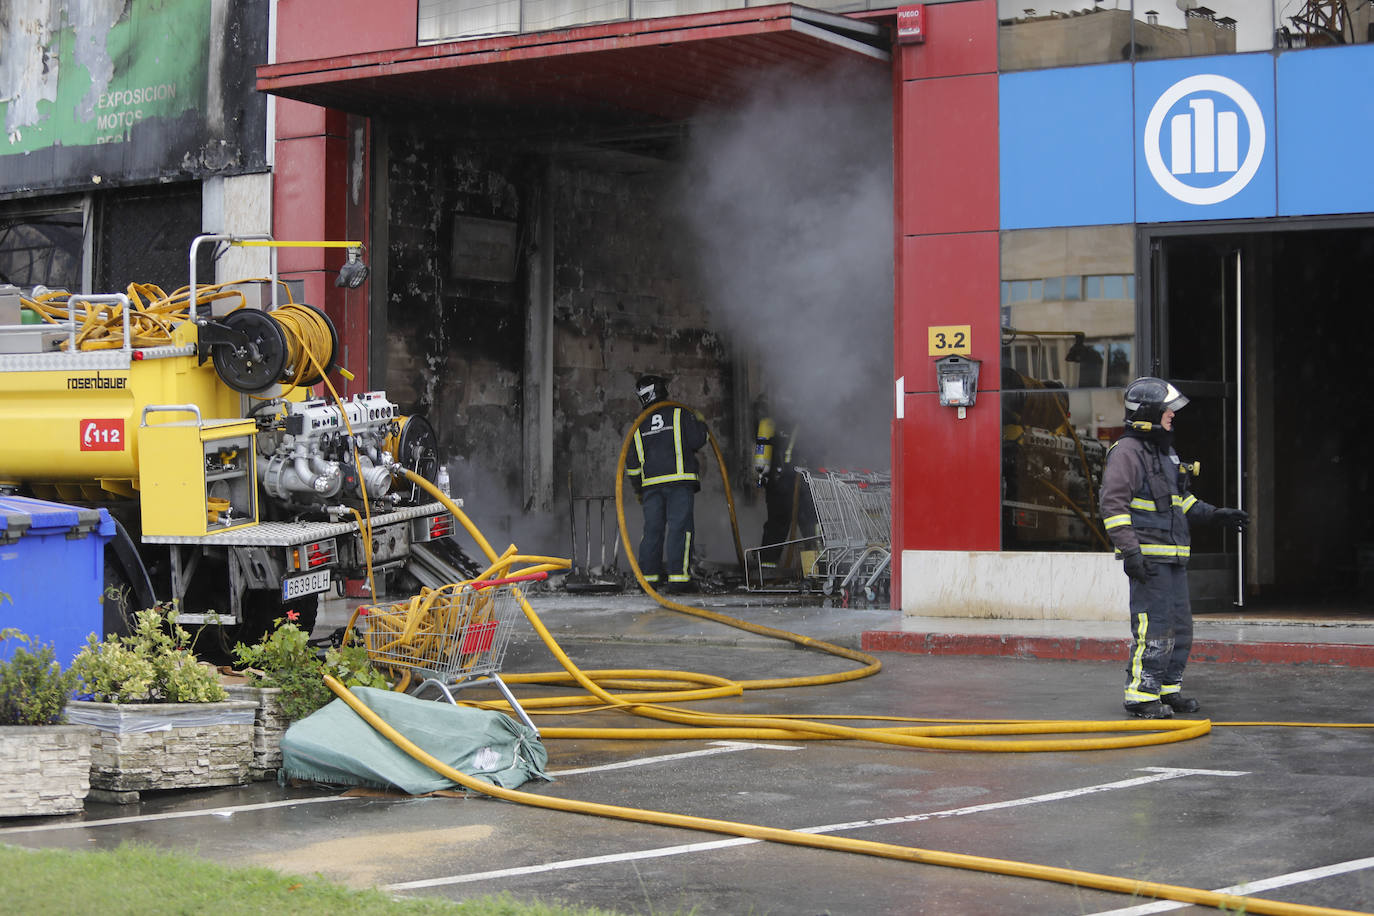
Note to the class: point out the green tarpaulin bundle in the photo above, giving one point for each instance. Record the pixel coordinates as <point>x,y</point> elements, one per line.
<point>334,745</point>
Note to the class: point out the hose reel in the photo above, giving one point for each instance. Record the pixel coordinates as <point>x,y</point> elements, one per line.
<point>416,447</point>
<point>252,350</point>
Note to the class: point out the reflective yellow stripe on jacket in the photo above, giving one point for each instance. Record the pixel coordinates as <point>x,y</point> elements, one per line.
<point>1166,550</point>
<point>678,473</point>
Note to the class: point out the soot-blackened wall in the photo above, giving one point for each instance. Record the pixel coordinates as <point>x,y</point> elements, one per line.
<point>465,223</point>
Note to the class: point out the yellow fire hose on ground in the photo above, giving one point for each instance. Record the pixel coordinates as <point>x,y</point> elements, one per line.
<point>707,725</point>
<point>1008,867</point>
<point>153,313</point>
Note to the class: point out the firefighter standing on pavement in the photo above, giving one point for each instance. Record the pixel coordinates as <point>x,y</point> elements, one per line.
<point>663,469</point>
<point>1148,511</point>
<point>785,501</point>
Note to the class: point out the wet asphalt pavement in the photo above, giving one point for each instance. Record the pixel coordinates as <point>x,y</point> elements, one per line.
<point>1289,806</point>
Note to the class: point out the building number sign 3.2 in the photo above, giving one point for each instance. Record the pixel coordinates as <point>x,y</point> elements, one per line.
<point>103,435</point>
<point>950,340</point>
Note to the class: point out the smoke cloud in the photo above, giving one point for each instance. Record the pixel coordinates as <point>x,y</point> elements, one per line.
<point>789,197</point>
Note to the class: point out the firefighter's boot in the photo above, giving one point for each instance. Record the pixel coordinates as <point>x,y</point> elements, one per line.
<point>1151,709</point>
<point>1179,703</point>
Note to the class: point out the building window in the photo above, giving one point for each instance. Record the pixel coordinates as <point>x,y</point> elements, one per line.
<point>450,20</point>
<point>1068,351</point>
<point>1199,28</point>
<point>1109,286</point>
<point>1322,23</point>
<point>143,235</point>
<point>42,246</point>
<point>1035,34</point>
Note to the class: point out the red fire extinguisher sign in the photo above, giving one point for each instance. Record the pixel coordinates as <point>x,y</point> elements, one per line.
<point>911,24</point>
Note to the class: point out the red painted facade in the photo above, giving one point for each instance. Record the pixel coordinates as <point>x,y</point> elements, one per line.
<point>947,470</point>
<point>312,30</point>
<point>313,194</point>
<point>310,203</point>
<point>950,484</point>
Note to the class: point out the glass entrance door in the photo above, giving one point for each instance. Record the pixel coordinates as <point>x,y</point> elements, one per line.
<point>1197,328</point>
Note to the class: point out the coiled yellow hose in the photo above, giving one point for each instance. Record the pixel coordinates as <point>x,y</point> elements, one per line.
<point>152,317</point>
<point>308,334</point>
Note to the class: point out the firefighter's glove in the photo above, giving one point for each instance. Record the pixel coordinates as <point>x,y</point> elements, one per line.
<point>1136,567</point>
<point>1232,518</point>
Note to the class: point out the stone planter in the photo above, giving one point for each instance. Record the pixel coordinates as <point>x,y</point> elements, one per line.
<point>269,724</point>
<point>146,746</point>
<point>44,769</point>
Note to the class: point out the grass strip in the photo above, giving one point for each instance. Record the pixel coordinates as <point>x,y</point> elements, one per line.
<point>140,880</point>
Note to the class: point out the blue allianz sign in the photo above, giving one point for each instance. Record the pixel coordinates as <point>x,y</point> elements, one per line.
<point>1064,147</point>
<point>1186,140</point>
<point>1327,116</point>
<point>1205,139</point>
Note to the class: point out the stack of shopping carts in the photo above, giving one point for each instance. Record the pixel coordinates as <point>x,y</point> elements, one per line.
<point>453,636</point>
<point>854,520</point>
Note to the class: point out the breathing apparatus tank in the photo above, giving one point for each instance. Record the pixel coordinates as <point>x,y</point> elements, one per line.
<point>763,450</point>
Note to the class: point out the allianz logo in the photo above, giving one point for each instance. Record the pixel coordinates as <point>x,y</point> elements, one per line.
<point>1204,139</point>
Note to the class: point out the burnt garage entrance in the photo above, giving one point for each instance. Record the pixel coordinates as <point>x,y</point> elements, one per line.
<point>706,197</point>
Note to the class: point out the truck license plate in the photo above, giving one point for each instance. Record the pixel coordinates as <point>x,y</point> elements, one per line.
<point>307,584</point>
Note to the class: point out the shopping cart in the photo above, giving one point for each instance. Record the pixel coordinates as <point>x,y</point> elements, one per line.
<point>454,636</point>
<point>854,516</point>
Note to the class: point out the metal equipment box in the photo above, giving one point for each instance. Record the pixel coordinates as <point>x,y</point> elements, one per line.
<point>197,477</point>
<point>12,316</point>
<point>52,573</point>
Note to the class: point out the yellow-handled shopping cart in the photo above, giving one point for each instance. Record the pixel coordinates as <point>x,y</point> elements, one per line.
<point>450,637</point>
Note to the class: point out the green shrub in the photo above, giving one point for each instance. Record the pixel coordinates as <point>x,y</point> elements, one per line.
<point>153,664</point>
<point>33,687</point>
<point>286,660</point>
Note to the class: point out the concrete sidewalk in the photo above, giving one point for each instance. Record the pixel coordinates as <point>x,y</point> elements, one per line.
<point>1347,641</point>
<point>1309,639</point>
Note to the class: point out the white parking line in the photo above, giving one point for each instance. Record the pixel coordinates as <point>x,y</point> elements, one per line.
<point>725,747</point>
<point>1159,774</point>
<point>1251,887</point>
<point>722,747</point>
<point>175,815</point>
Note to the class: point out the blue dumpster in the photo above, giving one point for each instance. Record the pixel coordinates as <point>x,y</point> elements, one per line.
<point>52,572</point>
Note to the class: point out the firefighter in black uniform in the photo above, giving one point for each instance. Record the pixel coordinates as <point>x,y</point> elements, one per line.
<point>1147,511</point>
<point>663,469</point>
<point>776,459</point>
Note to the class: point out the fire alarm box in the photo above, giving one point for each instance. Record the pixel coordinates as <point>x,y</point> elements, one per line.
<point>958,382</point>
<point>911,24</point>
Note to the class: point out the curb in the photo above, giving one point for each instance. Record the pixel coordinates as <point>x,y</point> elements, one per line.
<point>1114,650</point>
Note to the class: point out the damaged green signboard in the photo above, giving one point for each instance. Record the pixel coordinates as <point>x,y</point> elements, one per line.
<point>82,74</point>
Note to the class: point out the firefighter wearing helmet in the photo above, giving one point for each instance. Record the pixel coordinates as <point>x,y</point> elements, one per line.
<point>662,466</point>
<point>1148,512</point>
